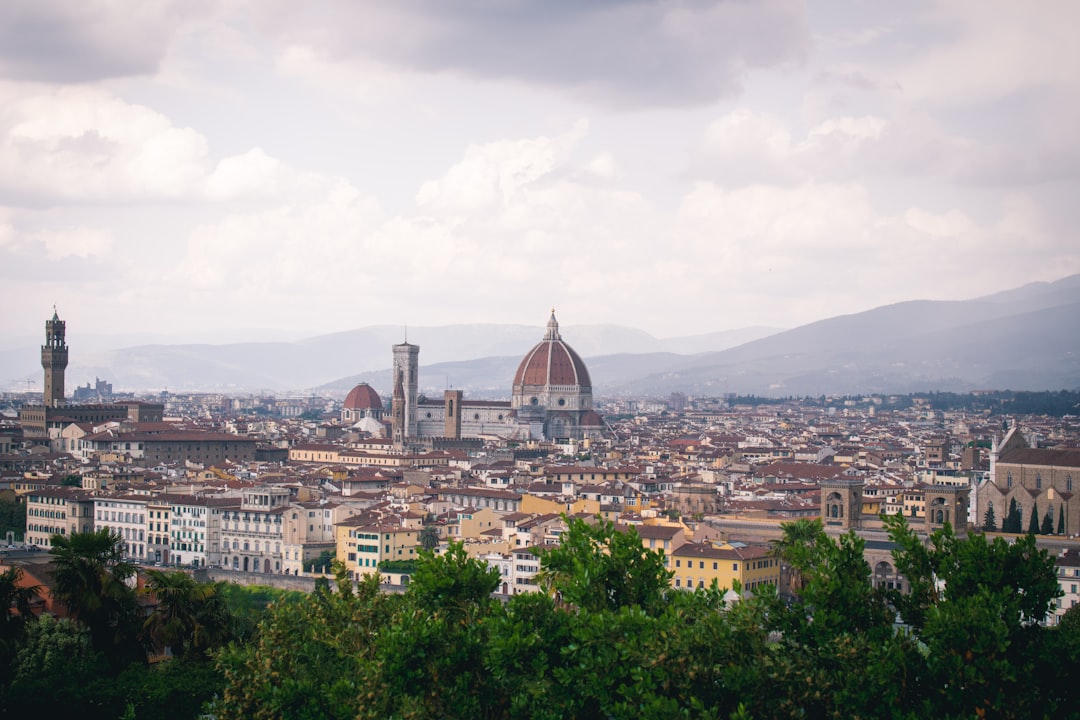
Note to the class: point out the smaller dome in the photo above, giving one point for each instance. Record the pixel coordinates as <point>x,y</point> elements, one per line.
<point>363,397</point>
<point>591,419</point>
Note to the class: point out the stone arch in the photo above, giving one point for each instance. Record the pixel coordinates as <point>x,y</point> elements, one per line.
<point>834,506</point>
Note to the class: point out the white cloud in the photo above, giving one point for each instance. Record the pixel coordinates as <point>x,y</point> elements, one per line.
<point>78,242</point>
<point>87,145</point>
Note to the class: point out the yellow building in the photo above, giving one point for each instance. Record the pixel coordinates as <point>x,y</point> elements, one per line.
<point>698,564</point>
<point>363,544</point>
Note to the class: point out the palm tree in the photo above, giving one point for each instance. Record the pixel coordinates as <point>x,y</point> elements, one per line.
<point>429,537</point>
<point>91,579</point>
<point>14,605</point>
<point>795,547</point>
<point>190,615</point>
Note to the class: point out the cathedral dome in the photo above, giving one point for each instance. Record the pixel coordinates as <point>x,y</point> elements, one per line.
<point>552,362</point>
<point>363,397</point>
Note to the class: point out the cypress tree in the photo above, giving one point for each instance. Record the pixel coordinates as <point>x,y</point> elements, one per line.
<point>989,521</point>
<point>1033,524</point>
<point>1011,523</point>
<point>1048,521</point>
<point>1061,519</point>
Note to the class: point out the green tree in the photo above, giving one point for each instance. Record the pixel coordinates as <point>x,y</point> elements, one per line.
<point>91,579</point>
<point>976,606</point>
<point>1011,524</point>
<point>794,548</point>
<point>320,563</point>
<point>15,612</point>
<point>598,567</point>
<point>1047,527</point>
<point>12,516</point>
<point>15,599</point>
<point>1033,524</point>
<point>429,537</point>
<point>1061,519</point>
<point>989,521</point>
<point>314,658</point>
<point>190,616</point>
<point>57,671</point>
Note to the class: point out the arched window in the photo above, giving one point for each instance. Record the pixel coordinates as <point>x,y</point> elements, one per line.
<point>1008,480</point>
<point>1038,481</point>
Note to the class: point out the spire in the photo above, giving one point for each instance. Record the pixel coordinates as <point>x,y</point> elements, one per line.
<point>552,328</point>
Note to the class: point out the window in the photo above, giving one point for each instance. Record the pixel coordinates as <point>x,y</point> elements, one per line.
<point>1038,481</point>
<point>1008,480</point>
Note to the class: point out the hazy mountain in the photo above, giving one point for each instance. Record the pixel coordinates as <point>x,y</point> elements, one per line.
<point>315,361</point>
<point>1024,338</point>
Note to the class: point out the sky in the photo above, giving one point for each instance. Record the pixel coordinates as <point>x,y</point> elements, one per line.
<point>198,167</point>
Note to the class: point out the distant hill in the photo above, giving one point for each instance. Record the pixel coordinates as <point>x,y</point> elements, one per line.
<point>1026,338</point>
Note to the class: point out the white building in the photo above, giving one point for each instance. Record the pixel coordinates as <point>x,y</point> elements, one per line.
<point>126,516</point>
<point>252,535</point>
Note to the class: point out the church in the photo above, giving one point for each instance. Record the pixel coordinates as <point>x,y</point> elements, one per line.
<point>551,399</point>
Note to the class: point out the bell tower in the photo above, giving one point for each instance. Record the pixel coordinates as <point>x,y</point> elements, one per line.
<point>54,360</point>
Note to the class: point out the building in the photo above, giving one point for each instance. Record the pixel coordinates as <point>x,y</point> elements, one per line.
<point>44,422</point>
<point>361,402</point>
<point>1039,480</point>
<point>54,360</point>
<point>57,510</point>
<point>552,390</point>
<point>195,529</point>
<point>551,398</point>
<point>699,564</point>
<point>126,516</point>
<point>252,534</point>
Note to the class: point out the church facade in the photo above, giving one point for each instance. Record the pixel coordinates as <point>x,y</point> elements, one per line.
<point>551,399</point>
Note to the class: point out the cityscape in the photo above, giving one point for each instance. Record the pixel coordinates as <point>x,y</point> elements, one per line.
<point>366,488</point>
<point>540,360</point>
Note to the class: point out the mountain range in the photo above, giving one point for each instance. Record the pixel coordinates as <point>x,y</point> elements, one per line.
<point>1026,338</point>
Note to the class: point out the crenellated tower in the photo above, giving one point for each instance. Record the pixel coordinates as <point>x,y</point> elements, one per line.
<point>54,360</point>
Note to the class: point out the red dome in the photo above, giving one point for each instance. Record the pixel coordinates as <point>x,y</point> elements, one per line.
<point>363,397</point>
<point>552,362</point>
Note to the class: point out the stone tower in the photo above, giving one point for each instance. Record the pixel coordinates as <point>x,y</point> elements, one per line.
<point>841,503</point>
<point>452,427</point>
<point>397,412</point>
<point>54,359</point>
<point>406,369</point>
<point>947,504</point>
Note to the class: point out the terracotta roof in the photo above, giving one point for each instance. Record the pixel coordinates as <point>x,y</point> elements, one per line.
<point>1041,456</point>
<point>363,397</point>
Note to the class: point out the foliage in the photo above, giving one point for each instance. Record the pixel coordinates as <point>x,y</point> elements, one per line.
<point>1012,522</point>
<point>1047,527</point>
<point>190,616</point>
<point>1033,525</point>
<point>971,645</point>
<point>597,567</point>
<point>12,517</point>
<point>989,521</point>
<point>322,561</point>
<point>310,658</point>
<point>91,578</point>
<point>429,537</point>
<point>398,566</point>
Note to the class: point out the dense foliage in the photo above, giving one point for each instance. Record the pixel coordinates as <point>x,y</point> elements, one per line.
<point>607,638</point>
<point>111,659</point>
<point>611,639</point>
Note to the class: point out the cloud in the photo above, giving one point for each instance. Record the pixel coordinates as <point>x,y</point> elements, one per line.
<point>81,242</point>
<point>618,53</point>
<point>82,144</point>
<point>77,42</point>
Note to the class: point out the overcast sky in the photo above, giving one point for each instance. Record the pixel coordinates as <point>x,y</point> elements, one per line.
<point>191,166</point>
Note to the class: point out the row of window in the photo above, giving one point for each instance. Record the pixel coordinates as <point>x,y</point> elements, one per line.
<point>1038,481</point>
